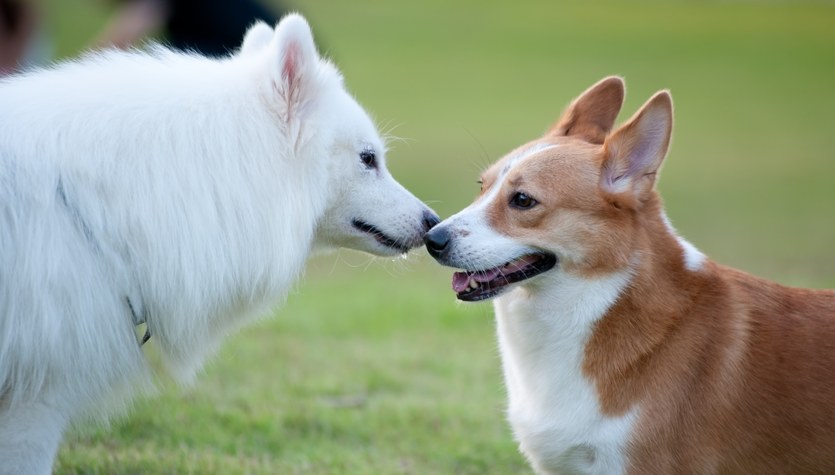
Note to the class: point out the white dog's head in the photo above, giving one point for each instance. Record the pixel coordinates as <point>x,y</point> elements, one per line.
<point>366,209</point>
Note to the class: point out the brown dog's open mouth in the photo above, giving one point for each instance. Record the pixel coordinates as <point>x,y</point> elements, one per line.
<point>472,286</point>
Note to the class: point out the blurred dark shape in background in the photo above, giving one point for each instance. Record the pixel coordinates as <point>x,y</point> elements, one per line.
<point>209,27</point>
<point>18,19</point>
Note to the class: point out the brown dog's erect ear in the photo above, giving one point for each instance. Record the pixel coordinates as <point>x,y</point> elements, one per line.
<point>592,115</point>
<point>633,153</point>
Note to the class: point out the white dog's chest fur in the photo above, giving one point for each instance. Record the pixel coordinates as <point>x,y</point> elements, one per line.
<point>553,408</point>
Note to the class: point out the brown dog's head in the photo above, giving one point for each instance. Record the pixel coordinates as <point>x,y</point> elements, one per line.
<point>571,201</point>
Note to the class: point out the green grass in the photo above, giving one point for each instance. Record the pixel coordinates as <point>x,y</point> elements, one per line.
<point>373,368</point>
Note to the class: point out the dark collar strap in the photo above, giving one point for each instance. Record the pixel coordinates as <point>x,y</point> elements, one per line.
<point>139,320</point>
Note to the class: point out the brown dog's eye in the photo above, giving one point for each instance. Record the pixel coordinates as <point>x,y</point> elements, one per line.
<point>522,201</point>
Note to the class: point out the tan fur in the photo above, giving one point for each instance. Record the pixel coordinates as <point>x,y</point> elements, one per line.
<point>731,373</point>
<point>592,115</point>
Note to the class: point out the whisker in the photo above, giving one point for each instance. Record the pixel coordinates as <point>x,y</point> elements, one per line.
<point>486,159</point>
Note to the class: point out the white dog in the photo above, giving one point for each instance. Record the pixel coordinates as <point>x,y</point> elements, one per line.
<point>173,190</point>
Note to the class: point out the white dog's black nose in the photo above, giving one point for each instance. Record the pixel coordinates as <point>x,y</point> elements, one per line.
<point>430,219</point>
<point>437,241</point>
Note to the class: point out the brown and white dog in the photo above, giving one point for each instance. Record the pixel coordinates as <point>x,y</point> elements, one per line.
<point>626,350</point>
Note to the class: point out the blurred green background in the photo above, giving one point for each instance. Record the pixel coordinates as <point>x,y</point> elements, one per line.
<point>372,367</point>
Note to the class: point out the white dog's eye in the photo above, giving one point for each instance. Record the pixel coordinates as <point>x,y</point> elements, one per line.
<point>522,201</point>
<point>369,158</point>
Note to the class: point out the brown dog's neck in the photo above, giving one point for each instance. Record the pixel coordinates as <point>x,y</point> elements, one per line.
<point>632,343</point>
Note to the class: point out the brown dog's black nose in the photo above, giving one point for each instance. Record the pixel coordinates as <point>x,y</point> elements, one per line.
<point>430,219</point>
<point>437,241</point>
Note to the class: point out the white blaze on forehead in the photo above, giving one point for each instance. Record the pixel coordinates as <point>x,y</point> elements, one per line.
<point>522,155</point>
<point>512,161</point>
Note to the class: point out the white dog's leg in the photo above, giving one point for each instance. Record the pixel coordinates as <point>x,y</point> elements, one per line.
<point>29,438</point>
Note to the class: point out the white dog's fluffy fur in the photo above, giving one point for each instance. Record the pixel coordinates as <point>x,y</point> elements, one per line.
<point>176,189</point>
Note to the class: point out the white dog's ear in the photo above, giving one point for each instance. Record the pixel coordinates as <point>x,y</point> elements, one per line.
<point>634,153</point>
<point>592,115</point>
<point>296,63</point>
<point>256,38</point>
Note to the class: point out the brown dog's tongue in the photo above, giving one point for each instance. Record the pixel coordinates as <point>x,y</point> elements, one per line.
<point>460,281</point>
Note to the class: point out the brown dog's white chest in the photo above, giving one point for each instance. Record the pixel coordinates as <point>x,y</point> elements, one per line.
<point>553,407</point>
